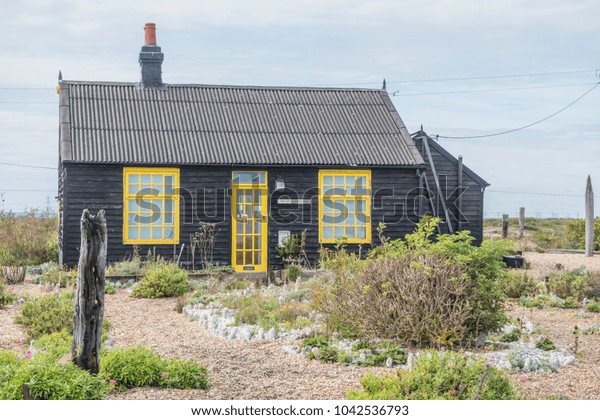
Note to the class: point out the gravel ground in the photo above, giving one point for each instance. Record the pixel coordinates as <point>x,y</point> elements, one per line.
<point>262,370</point>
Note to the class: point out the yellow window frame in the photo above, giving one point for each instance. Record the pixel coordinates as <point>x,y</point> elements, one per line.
<point>127,196</point>
<point>345,198</point>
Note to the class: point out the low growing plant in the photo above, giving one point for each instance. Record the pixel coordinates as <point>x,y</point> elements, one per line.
<point>512,336</point>
<point>47,314</point>
<point>569,284</point>
<point>162,280</point>
<point>593,307</point>
<point>545,344</point>
<point>516,285</point>
<point>438,376</point>
<point>5,297</point>
<point>183,374</point>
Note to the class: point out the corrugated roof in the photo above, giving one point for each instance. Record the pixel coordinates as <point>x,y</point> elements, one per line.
<point>214,125</point>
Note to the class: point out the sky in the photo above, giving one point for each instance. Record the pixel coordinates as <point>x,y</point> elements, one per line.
<point>460,68</point>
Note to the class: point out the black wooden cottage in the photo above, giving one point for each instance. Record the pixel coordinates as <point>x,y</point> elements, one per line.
<point>260,162</point>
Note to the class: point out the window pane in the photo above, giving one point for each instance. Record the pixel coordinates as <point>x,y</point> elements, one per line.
<point>239,242</point>
<point>132,219</point>
<point>239,258</point>
<point>157,220</point>
<point>350,233</point>
<point>144,233</point>
<point>169,184</point>
<point>327,205</point>
<point>327,232</point>
<point>257,258</point>
<point>361,233</point>
<point>258,227</point>
<point>257,242</point>
<point>338,232</point>
<point>257,212</point>
<point>327,180</point>
<point>361,187</point>
<point>169,219</point>
<point>133,179</point>
<point>350,219</point>
<point>133,233</point>
<point>339,181</point>
<point>239,227</point>
<point>146,179</point>
<point>169,233</point>
<point>248,242</point>
<point>350,206</point>
<point>361,205</point>
<point>248,258</point>
<point>169,204</point>
<point>328,218</point>
<point>248,178</point>
<point>157,233</point>
<point>157,179</point>
<point>133,189</point>
<point>248,227</point>
<point>133,207</point>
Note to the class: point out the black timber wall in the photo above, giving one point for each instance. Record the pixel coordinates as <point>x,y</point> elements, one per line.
<point>206,196</point>
<point>472,192</point>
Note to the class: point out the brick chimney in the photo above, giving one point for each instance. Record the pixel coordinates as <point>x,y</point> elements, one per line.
<point>151,59</point>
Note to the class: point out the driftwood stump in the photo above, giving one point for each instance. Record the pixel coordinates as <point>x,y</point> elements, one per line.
<point>89,305</point>
<point>589,218</point>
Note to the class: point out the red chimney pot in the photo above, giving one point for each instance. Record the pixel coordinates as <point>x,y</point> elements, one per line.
<point>150,33</point>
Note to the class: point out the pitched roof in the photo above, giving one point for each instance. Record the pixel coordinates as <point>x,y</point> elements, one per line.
<point>216,125</point>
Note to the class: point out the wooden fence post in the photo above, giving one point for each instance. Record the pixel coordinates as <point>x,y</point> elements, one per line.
<point>89,304</point>
<point>589,219</point>
<point>521,221</point>
<point>504,226</point>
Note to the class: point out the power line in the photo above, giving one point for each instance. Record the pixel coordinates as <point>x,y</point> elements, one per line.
<point>396,93</point>
<point>28,102</point>
<point>26,190</point>
<point>455,79</point>
<point>27,166</point>
<point>536,193</point>
<point>525,126</point>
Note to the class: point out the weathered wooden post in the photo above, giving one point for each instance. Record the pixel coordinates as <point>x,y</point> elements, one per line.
<point>89,304</point>
<point>504,226</point>
<point>589,219</point>
<point>521,221</point>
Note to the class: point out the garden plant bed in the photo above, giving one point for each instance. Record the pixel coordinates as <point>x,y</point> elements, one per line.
<point>261,369</point>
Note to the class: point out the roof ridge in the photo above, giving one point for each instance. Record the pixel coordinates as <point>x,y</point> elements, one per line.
<point>216,86</point>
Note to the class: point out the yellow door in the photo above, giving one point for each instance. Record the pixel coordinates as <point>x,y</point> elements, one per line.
<point>249,221</point>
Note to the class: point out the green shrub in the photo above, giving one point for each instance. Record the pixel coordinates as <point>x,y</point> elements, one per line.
<point>328,354</point>
<point>293,272</point>
<point>57,276</point>
<point>132,267</point>
<point>593,307</point>
<point>183,374</point>
<point>5,297</point>
<point>569,303</point>
<point>545,344</point>
<point>162,280</point>
<point>318,341</point>
<point>575,233</point>
<point>47,314</point>
<point>47,380</point>
<point>28,239</point>
<point>416,291</point>
<point>109,288</point>
<point>541,301</point>
<point>572,284</point>
<point>131,367</point>
<point>515,284</point>
<point>438,376</point>
<point>139,366</point>
<point>55,345</point>
<point>512,336</point>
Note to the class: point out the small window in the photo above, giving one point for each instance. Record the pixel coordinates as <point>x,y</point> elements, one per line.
<point>344,206</point>
<point>151,206</point>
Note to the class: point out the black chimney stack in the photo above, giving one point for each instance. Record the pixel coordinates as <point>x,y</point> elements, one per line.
<point>151,59</point>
